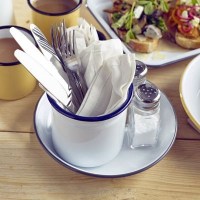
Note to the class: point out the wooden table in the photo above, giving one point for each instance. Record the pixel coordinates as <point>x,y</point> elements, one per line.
<point>27,172</point>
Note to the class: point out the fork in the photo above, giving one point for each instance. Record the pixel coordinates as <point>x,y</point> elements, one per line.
<point>63,45</point>
<point>57,39</point>
<point>51,56</point>
<point>70,59</point>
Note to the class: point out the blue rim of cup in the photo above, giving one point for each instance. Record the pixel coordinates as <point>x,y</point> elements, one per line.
<point>20,28</point>
<point>98,118</point>
<point>55,14</point>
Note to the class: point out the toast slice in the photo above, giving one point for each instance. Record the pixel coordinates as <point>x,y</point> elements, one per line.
<point>145,46</point>
<point>187,43</point>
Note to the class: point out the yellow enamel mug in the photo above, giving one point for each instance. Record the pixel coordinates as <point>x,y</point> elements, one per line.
<point>15,81</point>
<point>47,13</point>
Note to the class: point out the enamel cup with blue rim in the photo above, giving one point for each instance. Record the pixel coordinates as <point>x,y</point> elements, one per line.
<point>88,141</point>
<point>15,81</point>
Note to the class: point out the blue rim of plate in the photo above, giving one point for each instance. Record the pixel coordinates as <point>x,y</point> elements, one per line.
<point>76,169</point>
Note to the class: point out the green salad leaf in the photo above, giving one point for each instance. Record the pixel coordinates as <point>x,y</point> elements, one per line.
<point>125,20</point>
<point>149,6</point>
<point>164,6</point>
<point>119,23</point>
<point>129,35</point>
<point>116,16</point>
<point>161,24</point>
<point>129,19</point>
<point>195,2</point>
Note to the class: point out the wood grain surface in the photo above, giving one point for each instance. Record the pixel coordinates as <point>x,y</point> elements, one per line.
<point>28,172</point>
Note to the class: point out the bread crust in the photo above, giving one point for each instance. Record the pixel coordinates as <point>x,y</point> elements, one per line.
<point>187,43</point>
<point>147,46</point>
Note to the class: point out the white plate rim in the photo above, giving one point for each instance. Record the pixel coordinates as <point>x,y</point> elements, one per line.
<point>171,59</point>
<point>181,92</point>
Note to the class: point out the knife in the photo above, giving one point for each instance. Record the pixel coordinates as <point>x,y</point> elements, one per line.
<point>44,45</point>
<point>33,52</point>
<point>45,78</point>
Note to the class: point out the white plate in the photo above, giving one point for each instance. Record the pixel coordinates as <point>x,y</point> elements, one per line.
<point>128,161</point>
<point>190,91</point>
<point>167,51</point>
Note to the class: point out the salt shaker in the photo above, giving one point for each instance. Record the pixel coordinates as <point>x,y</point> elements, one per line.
<point>140,74</point>
<point>139,78</point>
<point>146,105</point>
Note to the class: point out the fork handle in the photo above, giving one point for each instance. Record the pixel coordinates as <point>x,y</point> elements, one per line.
<point>80,80</point>
<point>76,96</point>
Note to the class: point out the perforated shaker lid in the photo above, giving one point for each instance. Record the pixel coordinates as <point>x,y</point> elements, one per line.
<point>147,96</point>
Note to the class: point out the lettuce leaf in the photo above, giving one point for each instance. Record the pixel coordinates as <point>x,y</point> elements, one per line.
<point>149,6</point>
<point>119,23</point>
<point>164,6</point>
<point>195,2</point>
<point>129,35</point>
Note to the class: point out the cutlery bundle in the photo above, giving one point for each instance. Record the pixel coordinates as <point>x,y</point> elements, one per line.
<point>57,66</point>
<point>84,75</point>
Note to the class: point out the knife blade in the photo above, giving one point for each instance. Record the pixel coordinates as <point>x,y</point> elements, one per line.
<point>45,78</point>
<point>33,52</point>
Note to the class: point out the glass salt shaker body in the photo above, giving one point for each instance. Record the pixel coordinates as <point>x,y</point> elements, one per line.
<point>146,106</point>
<point>139,78</point>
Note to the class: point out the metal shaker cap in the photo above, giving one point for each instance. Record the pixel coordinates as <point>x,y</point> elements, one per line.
<point>147,96</point>
<point>141,70</point>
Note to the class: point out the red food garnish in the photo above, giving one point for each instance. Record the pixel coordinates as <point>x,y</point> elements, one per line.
<point>183,24</point>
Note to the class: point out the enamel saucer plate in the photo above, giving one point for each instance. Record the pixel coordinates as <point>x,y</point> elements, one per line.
<point>129,161</point>
<point>190,91</point>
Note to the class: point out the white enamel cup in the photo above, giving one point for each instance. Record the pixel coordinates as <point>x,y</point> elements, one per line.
<point>88,141</point>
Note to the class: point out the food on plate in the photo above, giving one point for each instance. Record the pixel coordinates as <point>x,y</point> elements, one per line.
<point>183,21</point>
<point>142,23</point>
<point>139,23</point>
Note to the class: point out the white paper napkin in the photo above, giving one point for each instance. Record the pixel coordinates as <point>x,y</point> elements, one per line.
<point>89,31</point>
<point>85,34</point>
<point>107,71</point>
<point>109,88</point>
<point>93,57</point>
